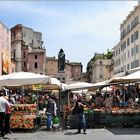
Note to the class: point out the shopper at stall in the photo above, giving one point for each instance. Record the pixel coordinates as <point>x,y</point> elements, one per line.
<point>4,104</point>
<point>98,100</point>
<point>51,111</point>
<point>79,112</point>
<point>108,103</point>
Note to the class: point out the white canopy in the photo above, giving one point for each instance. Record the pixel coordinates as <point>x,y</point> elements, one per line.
<point>26,78</point>
<point>77,86</point>
<point>80,91</point>
<point>134,77</point>
<point>100,84</point>
<point>108,89</point>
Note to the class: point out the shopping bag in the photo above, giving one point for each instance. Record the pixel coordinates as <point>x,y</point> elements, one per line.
<point>56,122</point>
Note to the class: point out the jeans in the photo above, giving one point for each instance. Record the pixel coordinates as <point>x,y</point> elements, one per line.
<point>82,122</point>
<point>49,120</point>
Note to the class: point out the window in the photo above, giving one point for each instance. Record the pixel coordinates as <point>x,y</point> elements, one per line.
<point>132,51</point>
<point>116,53</point>
<point>24,34</point>
<point>127,66</point>
<point>136,20</point>
<point>35,56</point>
<point>128,42</point>
<point>124,44</point>
<point>128,28</point>
<point>101,63</point>
<point>136,35</point>
<point>24,54</point>
<point>137,49</point>
<point>121,69</point>
<point>100,76</point>
<point>132,38</point>
<point>14,34</point>
<point>132,24</point>
<point>134,64</point>
<point>128,54</point>
<point>36,65</point>
<point>14,53</point>
<point>119,50</point>
<point>121,47</point>
<point>24,64</point>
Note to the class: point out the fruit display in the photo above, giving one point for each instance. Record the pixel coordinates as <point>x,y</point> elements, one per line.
<point>110,117</point>
<point>24,122</point>
<point>23,116</point>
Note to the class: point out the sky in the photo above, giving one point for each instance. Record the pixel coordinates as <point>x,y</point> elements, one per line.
<point>81,28</point>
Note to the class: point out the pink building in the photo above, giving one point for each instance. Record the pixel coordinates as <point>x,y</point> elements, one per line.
<point>27,49</point>
<point>5,49</point>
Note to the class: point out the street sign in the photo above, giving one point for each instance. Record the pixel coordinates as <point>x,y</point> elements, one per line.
<point>37,87</point>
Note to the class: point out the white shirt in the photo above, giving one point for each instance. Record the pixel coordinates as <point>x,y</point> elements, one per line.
<point>3,104</point>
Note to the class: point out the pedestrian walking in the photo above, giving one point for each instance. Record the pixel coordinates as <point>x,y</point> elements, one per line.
<point>4,104</point>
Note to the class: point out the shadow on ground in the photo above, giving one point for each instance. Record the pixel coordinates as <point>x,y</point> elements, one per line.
<point>125,131</point>
<point>70,133</point>
<point>44,128</point>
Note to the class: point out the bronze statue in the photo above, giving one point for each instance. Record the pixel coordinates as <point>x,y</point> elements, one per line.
<point>61,60</point>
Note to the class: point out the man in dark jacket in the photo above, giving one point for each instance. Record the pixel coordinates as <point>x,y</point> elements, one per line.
<point>79,111</point>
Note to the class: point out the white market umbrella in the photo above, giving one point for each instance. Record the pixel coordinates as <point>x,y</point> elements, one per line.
<point>23,78</point>
<point>78,86</point>
<point>134,77</point>
<point>100,84</point>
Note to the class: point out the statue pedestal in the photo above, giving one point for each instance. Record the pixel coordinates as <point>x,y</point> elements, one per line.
<point>61,75</point>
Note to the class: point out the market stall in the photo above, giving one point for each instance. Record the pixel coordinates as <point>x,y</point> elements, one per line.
<point>27,89</point>
<point>119,106</point>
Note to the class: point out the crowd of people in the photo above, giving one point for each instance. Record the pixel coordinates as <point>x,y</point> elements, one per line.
<point>117,98</point>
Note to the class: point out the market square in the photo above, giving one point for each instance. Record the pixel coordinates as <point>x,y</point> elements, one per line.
<point>70,70</point>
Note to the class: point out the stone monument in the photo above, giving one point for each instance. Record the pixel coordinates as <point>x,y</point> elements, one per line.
<point>61,74</point>
<point>61,61</point>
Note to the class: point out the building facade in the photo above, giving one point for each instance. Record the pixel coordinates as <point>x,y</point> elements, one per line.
<point>98,68</point>
<point>27,49</point>
<point>127,51</point>
<point>72,72</point>
<point>76,71</point>
<point>5,47</point>
<point>51,66</point>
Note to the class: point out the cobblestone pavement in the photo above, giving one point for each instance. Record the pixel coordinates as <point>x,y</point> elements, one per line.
<point>92,134</point>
